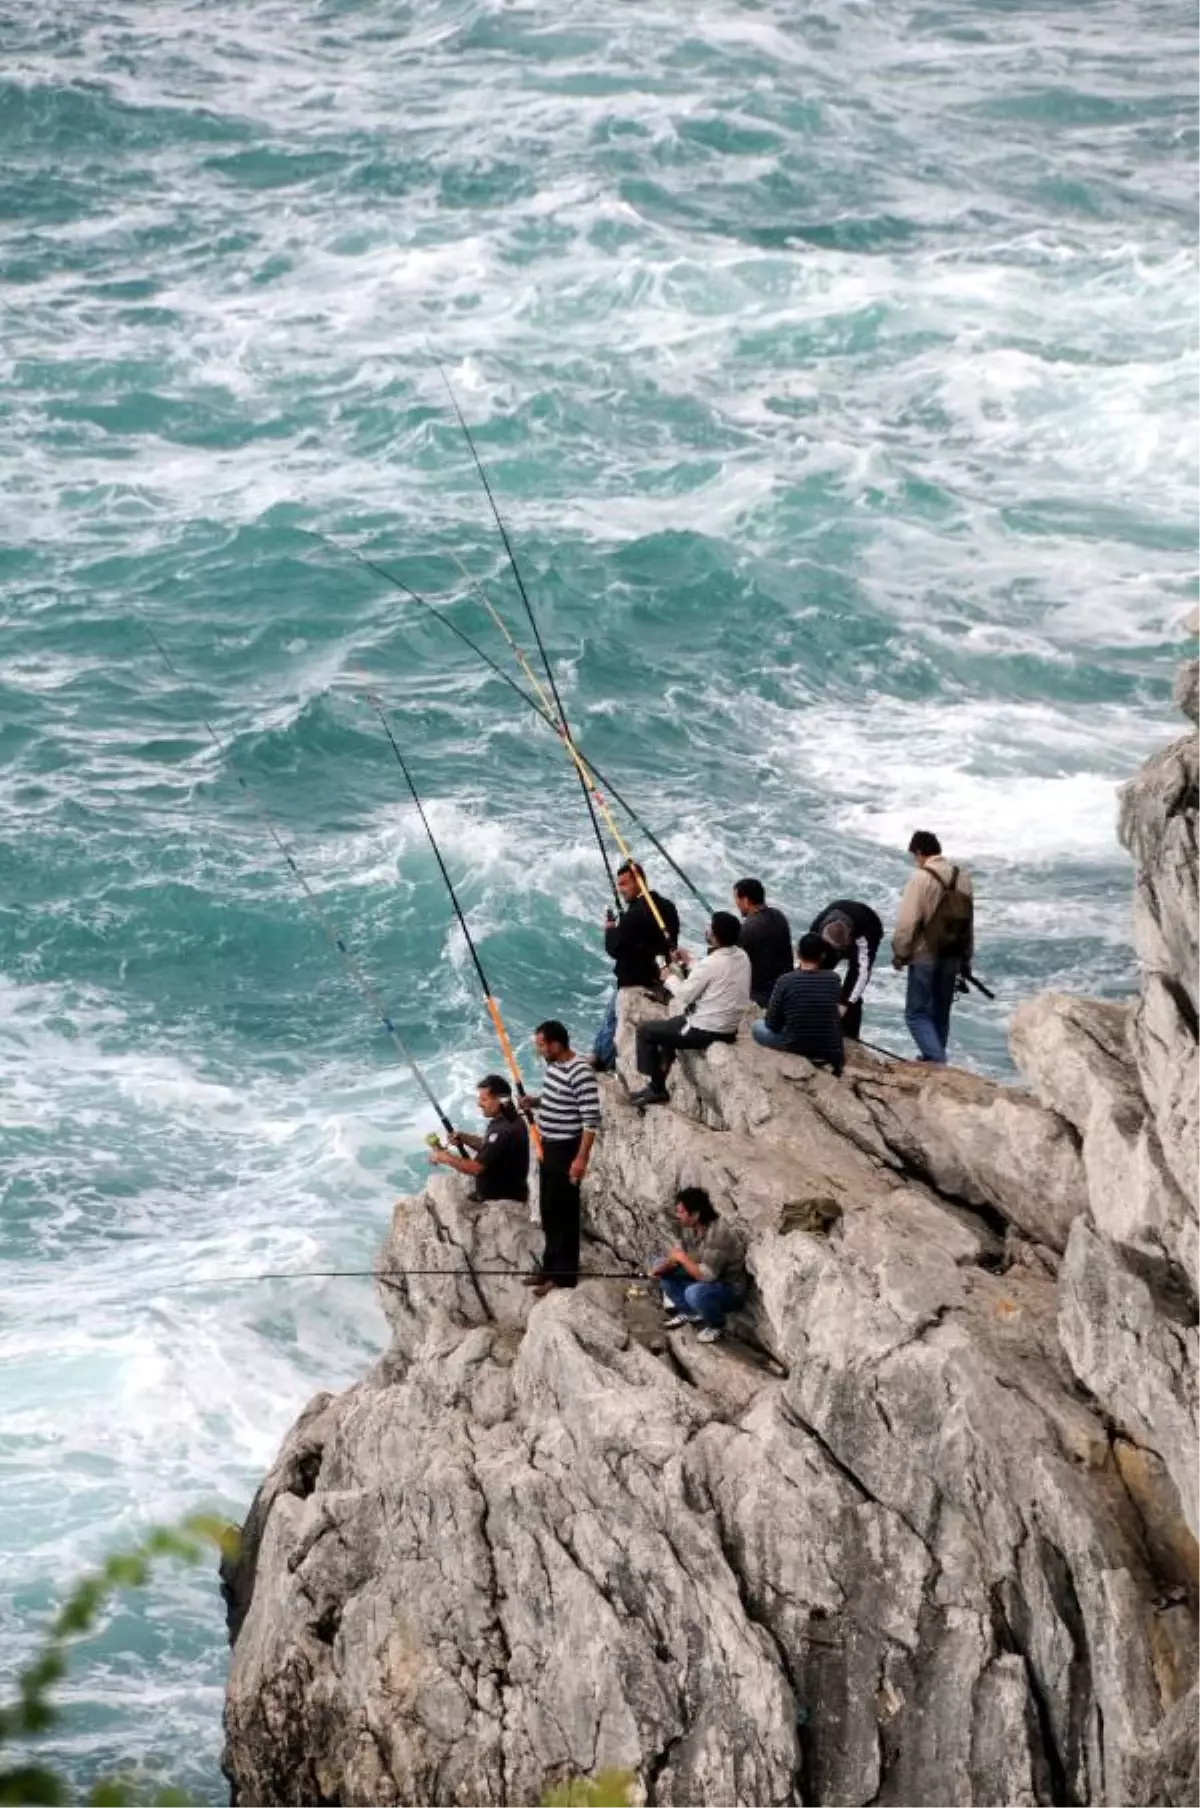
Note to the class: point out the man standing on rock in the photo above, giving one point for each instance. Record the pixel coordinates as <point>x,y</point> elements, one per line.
<point>704,1276</point>
<point>499,1162</point>
<point>852,933</point>
<point>568,1117</point>
<point>765,937</point>
<point>645,935</point>
<point>935,939</point>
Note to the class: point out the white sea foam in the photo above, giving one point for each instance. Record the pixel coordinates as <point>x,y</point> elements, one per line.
<point>838,311</point>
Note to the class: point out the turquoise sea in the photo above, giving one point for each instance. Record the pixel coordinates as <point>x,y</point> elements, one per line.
<point>835,366</point>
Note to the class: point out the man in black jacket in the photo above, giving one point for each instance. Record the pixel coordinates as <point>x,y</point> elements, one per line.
<point>851,933</point>
<point>637,943</point>
<point>802,1017</point>
<point>765,937</point>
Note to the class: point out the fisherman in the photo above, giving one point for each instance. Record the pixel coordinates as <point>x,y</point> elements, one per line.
<point>765,937</point>
<point>568,1117</point>
<point>500,1164</point>
<point>852,933</point>
<point>704,1276</point>
<point>636,944</point>
<point>714,996</point>
<point>935,939</point>
<point>803,1016</point>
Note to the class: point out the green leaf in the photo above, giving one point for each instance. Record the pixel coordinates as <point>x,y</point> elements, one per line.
<point>32,1785</point>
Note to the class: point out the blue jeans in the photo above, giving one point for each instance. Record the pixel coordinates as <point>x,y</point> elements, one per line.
<point>709,1300</point>
<point>605,1046</point>
<point>927,1005</point>
<point>767,1038</point>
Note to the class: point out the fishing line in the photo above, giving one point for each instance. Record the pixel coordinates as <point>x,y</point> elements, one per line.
<point>530,702</point>
<point>336,941</point>
<point>506,1047</point>
<point>537,635</point>
<point>384,1274</point>
<point>587,777</point>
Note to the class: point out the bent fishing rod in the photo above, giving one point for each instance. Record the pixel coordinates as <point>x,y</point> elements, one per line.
<point>335,939</point>
<point>489,998</point>
<point>541,646</point>
<point>587,778</point>
<point>530,702</point>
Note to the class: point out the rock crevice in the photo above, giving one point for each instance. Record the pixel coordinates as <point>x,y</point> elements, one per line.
<point>924,1533</point>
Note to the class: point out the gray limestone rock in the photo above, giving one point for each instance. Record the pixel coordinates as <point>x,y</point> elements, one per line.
<point>922,1530</point>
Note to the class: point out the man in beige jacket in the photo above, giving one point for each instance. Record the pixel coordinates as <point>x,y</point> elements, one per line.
<point>935,939</point>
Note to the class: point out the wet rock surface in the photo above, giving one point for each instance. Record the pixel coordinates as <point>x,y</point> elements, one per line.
<point>923,1533</point>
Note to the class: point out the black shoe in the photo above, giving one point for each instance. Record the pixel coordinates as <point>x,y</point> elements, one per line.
<point>649,1095</point>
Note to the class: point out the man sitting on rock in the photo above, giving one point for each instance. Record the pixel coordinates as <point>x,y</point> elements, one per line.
<point>704,1276</point>
<point>803,1016</point>
<point>497,1161</point>
<point>715,996</point>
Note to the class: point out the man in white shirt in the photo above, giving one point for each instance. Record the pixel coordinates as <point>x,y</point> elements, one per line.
<point>714,997</point>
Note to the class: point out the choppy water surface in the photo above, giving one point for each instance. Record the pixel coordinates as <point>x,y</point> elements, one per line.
<point>836,369</point>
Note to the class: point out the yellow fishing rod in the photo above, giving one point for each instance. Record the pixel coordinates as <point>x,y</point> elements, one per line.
<point>493,1009</point>
<point>560,728</point>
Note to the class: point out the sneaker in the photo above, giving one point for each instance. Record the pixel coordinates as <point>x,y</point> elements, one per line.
<point>679,1320</point>
<point>710,1334</point>
<point>533,1280</point>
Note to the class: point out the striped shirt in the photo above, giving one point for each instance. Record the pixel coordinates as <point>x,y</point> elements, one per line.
<point>570,1101</point>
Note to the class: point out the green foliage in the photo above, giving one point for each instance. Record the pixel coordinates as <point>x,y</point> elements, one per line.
<point>33,1712</point>
<point>607,1789</point>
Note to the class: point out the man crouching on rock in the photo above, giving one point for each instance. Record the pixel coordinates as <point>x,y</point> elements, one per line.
<point>704,1276</point>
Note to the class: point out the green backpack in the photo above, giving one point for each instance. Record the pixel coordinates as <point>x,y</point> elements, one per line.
<point>948,931</point>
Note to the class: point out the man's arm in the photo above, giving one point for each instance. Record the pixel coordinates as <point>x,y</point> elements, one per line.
<point>587,1097</point>
<point>858,971</point>
<point>679,1258</point>
<point>579,1166</point>
<point>908,920</point>
<point>686,991</point>
<point>462,1164</point>
<point>469,1138</point>
<point>775,1009</point>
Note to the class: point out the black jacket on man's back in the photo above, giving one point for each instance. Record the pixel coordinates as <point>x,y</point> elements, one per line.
<point>768,941</point>
<point>636,943</point>
<point>866,933</point>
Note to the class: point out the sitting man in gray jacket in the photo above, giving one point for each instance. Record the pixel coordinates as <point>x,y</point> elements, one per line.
<point>704,1276</point>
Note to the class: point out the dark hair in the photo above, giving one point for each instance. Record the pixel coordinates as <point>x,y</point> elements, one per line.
<point>924,843</point>
<point>554,1031</point>
<point>750,889</point>
<point>696,1202</point>
<point>811,947</point>
<point>496,1084</point>
<point>725,928</point>
<point>631,866</point>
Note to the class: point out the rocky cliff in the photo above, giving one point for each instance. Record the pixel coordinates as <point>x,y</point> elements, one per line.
<point>924,1533</point>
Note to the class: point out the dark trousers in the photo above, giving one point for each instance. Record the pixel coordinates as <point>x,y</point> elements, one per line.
<point>657,1043</point>
<point>558,1196</point>
<point>852,1021</point>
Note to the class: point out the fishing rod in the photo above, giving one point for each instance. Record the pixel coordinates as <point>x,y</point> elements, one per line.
<point>336,941</point>
<point>530,702</point>
<point>493,1009</point>
<point>384,1274</point>
<point>587,777</point>
<point>969,979</point>
<point>537,635</point>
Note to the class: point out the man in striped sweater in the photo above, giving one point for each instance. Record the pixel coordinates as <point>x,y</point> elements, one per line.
<point>568,1117</point>
<point>802,1017</point>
